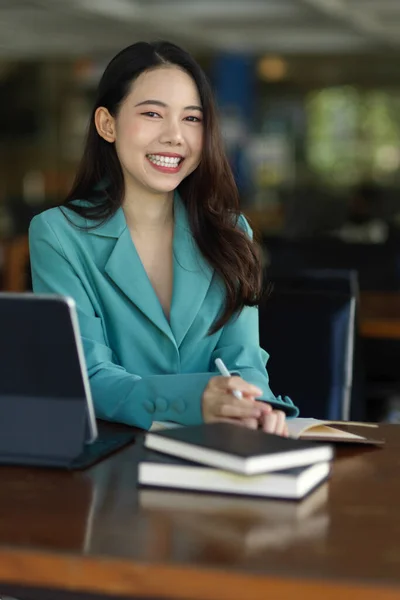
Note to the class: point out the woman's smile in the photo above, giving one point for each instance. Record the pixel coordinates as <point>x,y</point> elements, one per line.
<point>166,162</point>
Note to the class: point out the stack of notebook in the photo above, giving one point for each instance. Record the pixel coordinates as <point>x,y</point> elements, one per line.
<point>227,458</point>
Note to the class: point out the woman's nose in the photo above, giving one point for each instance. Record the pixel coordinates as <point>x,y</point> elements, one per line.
<point>171,133</point>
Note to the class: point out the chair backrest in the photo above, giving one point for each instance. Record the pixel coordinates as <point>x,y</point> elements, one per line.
<point>374,263</point>
<point>317,280</point>
<point>310,338</point>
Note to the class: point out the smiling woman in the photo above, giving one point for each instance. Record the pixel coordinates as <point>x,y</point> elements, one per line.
<point>151,245</point>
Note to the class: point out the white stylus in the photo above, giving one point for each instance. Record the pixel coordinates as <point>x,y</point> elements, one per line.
<point>225,373</point>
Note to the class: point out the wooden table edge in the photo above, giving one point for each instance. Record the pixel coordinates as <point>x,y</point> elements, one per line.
<point>123,577</point>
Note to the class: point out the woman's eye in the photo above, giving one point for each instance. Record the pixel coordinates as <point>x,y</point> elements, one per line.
<point>193,119</point>
<point>151,113</point>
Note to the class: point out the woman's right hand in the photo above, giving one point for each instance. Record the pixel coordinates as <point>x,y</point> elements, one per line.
<point>219,403</point>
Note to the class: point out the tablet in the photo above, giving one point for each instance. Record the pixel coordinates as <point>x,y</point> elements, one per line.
<point>41,353</point>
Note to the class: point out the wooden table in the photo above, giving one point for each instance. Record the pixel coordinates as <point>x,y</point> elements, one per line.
<point>94,532</point>
<point>380,315</point>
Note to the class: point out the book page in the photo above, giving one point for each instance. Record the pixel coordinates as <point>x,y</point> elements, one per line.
<point>326,432</point>
<point>298,426</point>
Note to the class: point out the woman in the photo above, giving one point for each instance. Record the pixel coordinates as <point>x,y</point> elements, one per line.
<point>151,246</point>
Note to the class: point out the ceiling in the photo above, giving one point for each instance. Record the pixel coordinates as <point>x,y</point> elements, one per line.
<point>30,29</point>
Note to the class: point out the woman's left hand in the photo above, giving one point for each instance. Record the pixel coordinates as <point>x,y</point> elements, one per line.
<point>270,421</point>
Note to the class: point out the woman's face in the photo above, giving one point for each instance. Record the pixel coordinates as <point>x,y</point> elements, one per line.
<point>158,131</point>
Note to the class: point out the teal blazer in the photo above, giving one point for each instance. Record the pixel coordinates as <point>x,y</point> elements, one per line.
<point>141,366</point>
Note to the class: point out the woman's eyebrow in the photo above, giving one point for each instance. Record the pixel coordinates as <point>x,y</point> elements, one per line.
<point>194,107</point>
<point>156,102</point>
<point>159,103</point>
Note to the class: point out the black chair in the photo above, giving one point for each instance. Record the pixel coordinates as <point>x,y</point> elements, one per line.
<point>310,338</point>
<point>376,264</point>
<point>317,280</point>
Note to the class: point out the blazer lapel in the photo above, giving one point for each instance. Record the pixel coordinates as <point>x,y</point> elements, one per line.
<point>192,275</point>
<point>126,270</point>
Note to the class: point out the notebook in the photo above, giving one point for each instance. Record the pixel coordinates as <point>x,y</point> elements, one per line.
<point>238,449</point>
<point>332,431</point>
<point>160,470</point>
<point>46,410</point>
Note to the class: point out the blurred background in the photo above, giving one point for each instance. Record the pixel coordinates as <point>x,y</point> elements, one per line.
<point>309,98</point>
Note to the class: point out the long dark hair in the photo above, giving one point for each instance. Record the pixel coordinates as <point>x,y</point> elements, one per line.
<point>209,193</point>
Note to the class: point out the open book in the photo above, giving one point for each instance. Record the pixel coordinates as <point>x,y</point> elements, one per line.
<point>317,430</point>
<point>332,431</point>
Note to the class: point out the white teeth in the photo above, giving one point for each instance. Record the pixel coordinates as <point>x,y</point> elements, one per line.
<point>164,161</point>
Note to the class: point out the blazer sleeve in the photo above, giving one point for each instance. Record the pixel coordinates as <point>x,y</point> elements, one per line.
<point>239,348</point>
<point>117,395</point>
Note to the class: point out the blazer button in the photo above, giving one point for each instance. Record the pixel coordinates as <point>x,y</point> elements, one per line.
<point>161,404</point>
<point>149,406</point>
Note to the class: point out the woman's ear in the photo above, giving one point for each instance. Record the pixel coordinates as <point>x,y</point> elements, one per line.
<point>105,124</point>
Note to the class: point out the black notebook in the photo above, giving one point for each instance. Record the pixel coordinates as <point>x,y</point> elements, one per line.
<point>160,470</point>
<point>234,448</point>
